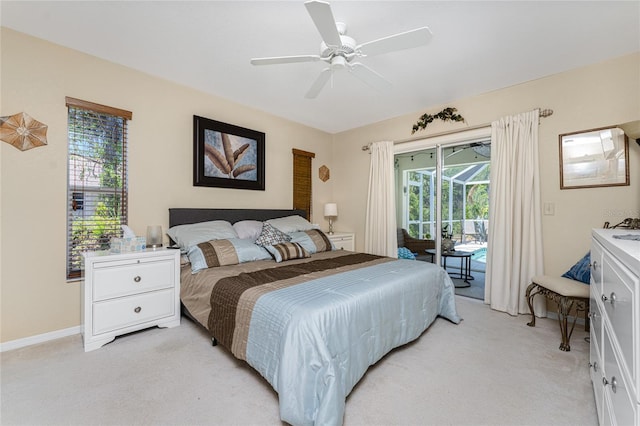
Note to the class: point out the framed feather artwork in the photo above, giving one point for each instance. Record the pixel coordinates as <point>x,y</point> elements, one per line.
<point>227,156</point>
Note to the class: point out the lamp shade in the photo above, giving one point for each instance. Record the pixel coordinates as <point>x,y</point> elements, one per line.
<point>331,210</point>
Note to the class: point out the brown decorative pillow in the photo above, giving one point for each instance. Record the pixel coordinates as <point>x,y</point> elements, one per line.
<point>320,240</point>
<point>219,253</point>
<point>287,251</point>
<point>313,240</point>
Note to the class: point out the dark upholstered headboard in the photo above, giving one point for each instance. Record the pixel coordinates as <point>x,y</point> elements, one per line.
<point>184,216</point>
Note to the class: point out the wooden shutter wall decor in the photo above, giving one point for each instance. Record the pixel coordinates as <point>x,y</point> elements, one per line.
<point>302,180</point>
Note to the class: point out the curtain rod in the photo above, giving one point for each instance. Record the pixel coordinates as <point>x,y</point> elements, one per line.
<point>544,113</point>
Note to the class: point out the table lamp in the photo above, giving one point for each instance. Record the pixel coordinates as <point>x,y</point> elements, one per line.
<point>331,212</point>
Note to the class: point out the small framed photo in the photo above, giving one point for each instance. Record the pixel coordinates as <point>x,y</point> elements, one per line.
<point>227,156</point>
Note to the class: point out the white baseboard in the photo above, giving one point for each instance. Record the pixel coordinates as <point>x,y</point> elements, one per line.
<point>40,338</point>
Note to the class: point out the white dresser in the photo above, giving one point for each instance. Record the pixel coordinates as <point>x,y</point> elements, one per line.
<point>615,326</point>
<point>128,292</point>
<point>343,240</point>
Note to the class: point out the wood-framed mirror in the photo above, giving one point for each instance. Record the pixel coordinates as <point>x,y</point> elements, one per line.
<point>594,158</point>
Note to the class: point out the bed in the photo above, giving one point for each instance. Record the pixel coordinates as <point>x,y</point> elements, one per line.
<point>309,319</point>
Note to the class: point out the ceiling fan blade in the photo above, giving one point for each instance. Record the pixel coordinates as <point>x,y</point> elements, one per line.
<point>285,59</point>
<point>317,86</point>
<point>369,76</point>
<point>320,12</point>
<point>400,41</point>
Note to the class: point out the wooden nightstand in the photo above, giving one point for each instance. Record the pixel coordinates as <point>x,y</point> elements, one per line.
<point>343,240</point>
<point>128,292</point>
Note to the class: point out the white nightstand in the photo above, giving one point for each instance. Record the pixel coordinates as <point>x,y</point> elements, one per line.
<point>343,240</point>
<point>128,292</point>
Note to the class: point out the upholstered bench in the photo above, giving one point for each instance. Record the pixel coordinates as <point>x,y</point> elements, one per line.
<point>567,294</point>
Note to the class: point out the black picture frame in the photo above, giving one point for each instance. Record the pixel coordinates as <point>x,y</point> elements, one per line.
<point>227,156</point>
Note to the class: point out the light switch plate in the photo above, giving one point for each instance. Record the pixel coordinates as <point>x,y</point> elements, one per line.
<point>549,209</point>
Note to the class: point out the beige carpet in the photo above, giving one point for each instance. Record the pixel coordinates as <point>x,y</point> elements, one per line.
<point>489,370</point>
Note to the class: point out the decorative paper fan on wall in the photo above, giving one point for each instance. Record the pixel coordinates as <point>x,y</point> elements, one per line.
<point>339,50</point>
<point>23,131</point>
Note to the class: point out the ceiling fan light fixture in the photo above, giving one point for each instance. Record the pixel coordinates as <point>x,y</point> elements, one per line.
<point>338,62</point>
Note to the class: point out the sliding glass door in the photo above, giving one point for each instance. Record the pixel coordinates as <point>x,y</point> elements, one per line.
<point>443,195</point>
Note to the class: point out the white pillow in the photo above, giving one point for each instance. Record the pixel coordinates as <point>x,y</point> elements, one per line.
<point>187,236</point>
<point>248,229</point>
<point>290,224</point>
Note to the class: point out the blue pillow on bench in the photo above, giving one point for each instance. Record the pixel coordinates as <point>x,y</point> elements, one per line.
<point>581,271</point>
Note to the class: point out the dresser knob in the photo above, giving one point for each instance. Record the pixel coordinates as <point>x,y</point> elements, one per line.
<point>614,384</point>
<point>595,366</point>
<point>604,298</point>
<point>613,298</point>
<point>594,265</point>
<point>137,279</point>
<point>137,310</point>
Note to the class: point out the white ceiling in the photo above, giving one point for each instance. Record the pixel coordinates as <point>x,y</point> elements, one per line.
<point>477,46</point>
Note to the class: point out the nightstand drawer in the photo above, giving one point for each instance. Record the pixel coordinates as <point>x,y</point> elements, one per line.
<point>127,311</point>
<point>343,240</point>
<point>131,278</point>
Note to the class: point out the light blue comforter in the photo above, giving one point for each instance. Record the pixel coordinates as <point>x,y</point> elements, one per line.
<point>314,341</point>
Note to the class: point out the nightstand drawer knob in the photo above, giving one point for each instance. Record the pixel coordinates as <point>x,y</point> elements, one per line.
<point>137,310</point>
<point>137,279</point>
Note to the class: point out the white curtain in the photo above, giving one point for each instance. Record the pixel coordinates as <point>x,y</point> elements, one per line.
<point>380,236</point>
<point>514,254</point>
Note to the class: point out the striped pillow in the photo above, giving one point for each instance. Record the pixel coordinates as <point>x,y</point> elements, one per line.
<point>287,251</point>
<point>225,252</point>
<point>313,240</point>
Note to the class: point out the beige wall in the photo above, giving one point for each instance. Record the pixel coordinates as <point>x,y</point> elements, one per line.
<point>595,96</point>
<point>36,77</point>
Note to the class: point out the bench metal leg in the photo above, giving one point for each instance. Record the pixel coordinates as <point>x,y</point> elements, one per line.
<point>565,305</point>
<point>529,297</point>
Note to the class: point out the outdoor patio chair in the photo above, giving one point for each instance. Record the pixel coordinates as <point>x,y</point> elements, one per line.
<point>470,232</point>
<point>417,246</point>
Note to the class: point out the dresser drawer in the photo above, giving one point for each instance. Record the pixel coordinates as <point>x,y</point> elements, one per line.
<point>595,318</point>
<point>618,297</point>
<point>120,313</point>
<point>595,372</point>
<point>115,280</point>
<point>616,388</point>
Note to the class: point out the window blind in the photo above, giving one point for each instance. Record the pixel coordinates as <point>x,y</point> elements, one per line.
<point>97,178</point>
<point>302,180</point>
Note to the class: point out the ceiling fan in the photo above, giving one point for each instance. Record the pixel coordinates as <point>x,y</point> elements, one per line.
<point>339,50</point>
<point>481,148</point>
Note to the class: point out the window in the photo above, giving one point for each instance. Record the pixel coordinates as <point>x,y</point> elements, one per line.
<point>96,178</point>
<point>302,180</point>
